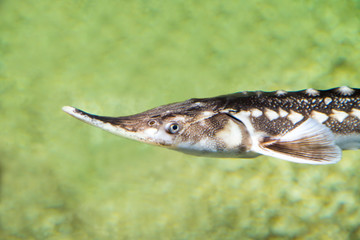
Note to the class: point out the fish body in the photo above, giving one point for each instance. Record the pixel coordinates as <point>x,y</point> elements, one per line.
<point>308,126</point>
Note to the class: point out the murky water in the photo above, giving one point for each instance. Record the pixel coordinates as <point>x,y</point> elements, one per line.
<point>62,179</point>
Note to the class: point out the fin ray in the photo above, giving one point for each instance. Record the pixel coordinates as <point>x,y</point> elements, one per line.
<point>310,142</point>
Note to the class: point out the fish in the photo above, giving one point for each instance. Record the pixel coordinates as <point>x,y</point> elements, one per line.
<point>307,126</point>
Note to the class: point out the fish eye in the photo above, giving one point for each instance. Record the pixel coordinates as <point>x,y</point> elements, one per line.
<point>173,128</point>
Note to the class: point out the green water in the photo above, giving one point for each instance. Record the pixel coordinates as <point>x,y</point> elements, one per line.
<point>63,179</point>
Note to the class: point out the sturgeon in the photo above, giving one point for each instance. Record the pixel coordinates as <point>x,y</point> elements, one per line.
<point>308,126</point>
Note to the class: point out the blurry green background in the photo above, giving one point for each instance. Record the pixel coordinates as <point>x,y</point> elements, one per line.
<point>62,179</point>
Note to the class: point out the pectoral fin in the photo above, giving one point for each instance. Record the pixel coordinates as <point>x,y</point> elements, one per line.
<point>310,142</point>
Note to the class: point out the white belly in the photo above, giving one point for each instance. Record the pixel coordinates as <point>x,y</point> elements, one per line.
<point>348,142</point>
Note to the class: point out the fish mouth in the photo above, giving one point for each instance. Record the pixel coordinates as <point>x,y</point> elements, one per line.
<point>122,126</point>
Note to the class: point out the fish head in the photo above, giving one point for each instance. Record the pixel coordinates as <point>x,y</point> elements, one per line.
<point>194,127</point>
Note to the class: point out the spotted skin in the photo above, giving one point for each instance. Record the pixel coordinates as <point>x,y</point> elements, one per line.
<point>303,102</point>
